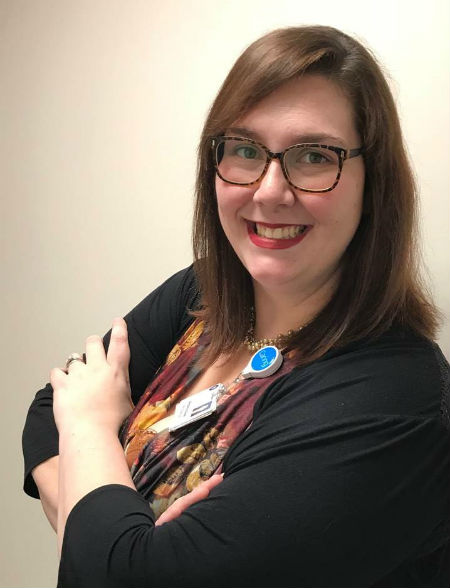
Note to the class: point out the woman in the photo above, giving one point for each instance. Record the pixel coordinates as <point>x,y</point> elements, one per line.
<point>335,448</point>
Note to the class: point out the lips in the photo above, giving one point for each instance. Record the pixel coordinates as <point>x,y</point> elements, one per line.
<point>276,236</point>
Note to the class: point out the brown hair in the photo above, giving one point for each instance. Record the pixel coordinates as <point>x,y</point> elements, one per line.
<point>380,283</point>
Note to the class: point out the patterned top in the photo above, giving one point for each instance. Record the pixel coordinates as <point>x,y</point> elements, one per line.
<point>167,465</point>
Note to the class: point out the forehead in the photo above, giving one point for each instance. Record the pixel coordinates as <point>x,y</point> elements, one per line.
<point>310,105</point>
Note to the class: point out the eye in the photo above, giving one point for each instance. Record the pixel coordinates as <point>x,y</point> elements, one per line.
<point>310,156</point>
<point>247,152</point>
<point>314,157</point>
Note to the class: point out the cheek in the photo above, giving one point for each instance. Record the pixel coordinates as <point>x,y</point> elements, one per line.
<point>230,200</point>
<point>322,209</point>
<point>354,204</point>
<point>340,208</point>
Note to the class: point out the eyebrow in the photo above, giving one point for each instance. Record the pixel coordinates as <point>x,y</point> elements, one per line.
<point>305,138</point>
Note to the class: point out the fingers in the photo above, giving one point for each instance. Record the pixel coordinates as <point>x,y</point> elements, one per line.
<point>72,361</point>
<point>213,481</point>
<point>199,493</point>
<point>119,350</point>
<point>57,378</point>
<point>95,352</point>
<point>180,505</point>
<point>176,508</point>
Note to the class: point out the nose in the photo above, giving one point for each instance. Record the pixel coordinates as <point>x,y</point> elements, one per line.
<point>273,189</point>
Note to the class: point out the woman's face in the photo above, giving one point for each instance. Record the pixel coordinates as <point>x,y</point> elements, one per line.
<point>308,106</point>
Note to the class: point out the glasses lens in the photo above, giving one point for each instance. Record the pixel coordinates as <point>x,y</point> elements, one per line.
<point>239,161</point>
<point>312,168</point>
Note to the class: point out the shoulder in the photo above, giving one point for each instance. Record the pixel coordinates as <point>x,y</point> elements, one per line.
<point>169,302</point>
<point>399,373</point>
<point>159,320</point>
<point>182,285</point>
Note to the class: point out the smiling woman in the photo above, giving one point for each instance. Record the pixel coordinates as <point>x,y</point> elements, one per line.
<point>322,205</point>
<point>295,357</point>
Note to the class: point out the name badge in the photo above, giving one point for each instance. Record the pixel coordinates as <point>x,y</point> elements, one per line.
<point>263,363</point>
<point>197,406</point>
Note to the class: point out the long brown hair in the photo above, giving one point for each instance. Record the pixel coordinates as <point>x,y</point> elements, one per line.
<point>380,283</point>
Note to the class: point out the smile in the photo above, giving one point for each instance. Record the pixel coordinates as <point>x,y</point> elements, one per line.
<point>284,232</point>
<point>279,236</point>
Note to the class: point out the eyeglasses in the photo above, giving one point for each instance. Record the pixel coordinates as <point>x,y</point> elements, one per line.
<point>310,167</point>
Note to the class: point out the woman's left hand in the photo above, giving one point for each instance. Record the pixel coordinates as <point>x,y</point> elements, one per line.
<point>181,504</point>
<point>95,393</point>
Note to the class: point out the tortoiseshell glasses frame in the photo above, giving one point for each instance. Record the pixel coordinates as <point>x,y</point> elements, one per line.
<point>341,152</point>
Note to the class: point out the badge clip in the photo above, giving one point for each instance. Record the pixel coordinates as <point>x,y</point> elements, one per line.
<point>265,362</point>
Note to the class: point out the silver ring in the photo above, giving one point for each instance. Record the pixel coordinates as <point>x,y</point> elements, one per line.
<point>73,357</point>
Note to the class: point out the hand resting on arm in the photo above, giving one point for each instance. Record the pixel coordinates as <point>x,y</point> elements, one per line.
<point>165,309</point>
<point>88,420</point>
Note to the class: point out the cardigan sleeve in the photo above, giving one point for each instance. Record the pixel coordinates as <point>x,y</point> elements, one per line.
<point>154,326</point>
<point>330,486</point>
<point>341,518</point>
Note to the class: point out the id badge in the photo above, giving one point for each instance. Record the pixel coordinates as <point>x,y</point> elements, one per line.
<point>196,407</point>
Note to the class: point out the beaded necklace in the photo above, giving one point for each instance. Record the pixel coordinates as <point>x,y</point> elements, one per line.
<point>279,341</point>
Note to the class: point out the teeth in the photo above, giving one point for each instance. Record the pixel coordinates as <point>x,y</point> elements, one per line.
<point>292,231</point>
<point>280,232</point>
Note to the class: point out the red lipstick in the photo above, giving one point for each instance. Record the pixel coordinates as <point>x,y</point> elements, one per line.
<point>268,243</point>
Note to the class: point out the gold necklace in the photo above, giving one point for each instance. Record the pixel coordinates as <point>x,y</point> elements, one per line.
<point>279,341</point>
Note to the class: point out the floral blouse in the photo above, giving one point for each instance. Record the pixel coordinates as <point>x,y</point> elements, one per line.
<point>166,465</point>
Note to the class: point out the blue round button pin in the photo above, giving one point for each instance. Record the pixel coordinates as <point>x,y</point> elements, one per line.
<point>263,358</point>
<point>264,363</point>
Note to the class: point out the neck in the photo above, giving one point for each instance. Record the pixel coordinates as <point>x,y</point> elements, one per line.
<point>280,309</point>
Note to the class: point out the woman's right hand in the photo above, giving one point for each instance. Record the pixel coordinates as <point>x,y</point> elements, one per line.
<point>180,505</point>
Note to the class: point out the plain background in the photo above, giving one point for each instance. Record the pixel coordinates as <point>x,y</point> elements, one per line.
<point>101,108</point>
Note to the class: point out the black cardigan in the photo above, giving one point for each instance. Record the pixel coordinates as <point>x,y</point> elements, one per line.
<point>343,478</point>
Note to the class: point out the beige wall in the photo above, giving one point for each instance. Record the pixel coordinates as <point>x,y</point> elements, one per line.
<point>99,99</point>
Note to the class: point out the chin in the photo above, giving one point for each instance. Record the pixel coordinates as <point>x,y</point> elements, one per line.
<point>271,272</point>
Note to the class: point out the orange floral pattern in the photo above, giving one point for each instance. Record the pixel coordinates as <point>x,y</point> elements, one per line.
<point>167,465</point>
